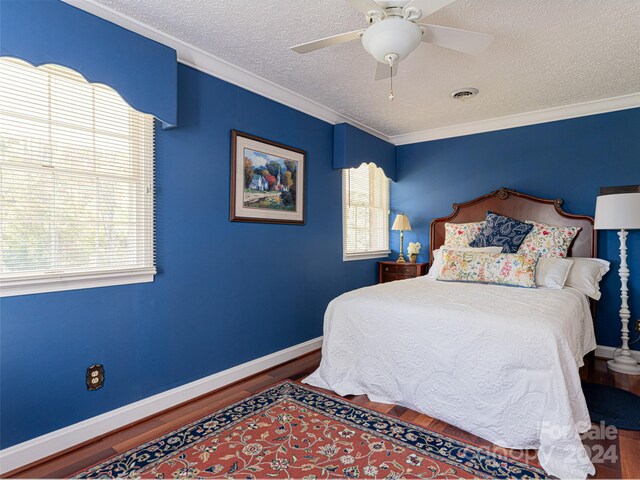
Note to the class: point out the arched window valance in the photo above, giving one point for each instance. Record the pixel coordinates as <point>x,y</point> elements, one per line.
<point>352,147</point>
<point>142,71</point>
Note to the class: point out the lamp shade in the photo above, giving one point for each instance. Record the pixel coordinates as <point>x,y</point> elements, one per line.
<point>401,223</point>
<point>615,212</point>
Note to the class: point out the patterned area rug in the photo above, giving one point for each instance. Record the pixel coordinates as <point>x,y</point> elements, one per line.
<point>292,431</point>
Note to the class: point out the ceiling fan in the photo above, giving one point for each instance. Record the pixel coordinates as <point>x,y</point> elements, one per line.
<point>393,33</point>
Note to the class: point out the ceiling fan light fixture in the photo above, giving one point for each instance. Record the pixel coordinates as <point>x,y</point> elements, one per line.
<point>391,36</point>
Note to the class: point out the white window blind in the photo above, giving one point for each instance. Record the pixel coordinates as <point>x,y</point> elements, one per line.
<point>365,212</point>
<point>76,183</point>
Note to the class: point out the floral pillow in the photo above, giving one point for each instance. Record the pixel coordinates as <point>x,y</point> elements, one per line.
<point>501,231</point>
<point>509,269</point>
<point>459,235</point>
<point>436,265</point>
<point>548,240</point>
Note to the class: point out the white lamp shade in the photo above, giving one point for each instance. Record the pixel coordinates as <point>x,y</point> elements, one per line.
<point>619,211</point>
<point>401,223</point>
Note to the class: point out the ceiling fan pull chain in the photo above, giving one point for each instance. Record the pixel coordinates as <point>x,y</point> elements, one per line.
<point>392,59</point>
<point>391,79</point>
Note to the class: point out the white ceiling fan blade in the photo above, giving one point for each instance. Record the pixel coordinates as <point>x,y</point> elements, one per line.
<point>366,6</point>
<point>456,39</point>
<point>428,6</point>
<point>327,42</point>
<point>383,71</point>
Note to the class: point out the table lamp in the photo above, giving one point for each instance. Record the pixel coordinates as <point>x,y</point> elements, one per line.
<point>621,211</point>
<point>401,223</point>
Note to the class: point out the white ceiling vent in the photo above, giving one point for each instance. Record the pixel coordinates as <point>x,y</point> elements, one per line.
<point>464,93</point>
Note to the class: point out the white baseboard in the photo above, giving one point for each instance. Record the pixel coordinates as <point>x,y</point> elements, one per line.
<point>58,440</point>
<point>607,352</point>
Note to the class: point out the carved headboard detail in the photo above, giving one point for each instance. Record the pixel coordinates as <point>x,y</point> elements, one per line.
<point>522,207</point>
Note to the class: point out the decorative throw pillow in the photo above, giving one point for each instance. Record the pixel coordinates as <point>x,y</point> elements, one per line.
<point>436,265</point>
<point>501,231</point>
<point>548,240</point>
<point>509,269</point>
<point>459,235</point>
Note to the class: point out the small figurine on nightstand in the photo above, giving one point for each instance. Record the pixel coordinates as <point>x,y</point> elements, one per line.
<point>413,250</point>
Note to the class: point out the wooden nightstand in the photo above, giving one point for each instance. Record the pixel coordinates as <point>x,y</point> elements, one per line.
<point>390,271</point>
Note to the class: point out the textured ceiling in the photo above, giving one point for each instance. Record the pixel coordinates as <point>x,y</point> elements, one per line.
<point>546,53</point>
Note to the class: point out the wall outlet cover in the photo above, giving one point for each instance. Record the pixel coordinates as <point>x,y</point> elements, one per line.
<point>95,377</point>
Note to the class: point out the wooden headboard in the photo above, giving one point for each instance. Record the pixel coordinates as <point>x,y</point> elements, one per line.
<point>521,207</point>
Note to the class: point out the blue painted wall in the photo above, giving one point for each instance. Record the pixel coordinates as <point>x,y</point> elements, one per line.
<point>144,72</point>
<point>570,159</point>
<point>226,292</point>
<point>230,292</point>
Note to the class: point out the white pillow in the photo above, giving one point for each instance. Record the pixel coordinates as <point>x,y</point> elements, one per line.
<point>436,266</point>
<point>585,275</point>
<point>552,272</point>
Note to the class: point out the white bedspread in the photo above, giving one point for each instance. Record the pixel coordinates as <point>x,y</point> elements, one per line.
<point>499,362</point>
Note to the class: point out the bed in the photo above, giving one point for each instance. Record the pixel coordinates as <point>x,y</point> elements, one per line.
<point>499,362</point>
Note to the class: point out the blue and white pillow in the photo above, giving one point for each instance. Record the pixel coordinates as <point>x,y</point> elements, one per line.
<point>501,231</point>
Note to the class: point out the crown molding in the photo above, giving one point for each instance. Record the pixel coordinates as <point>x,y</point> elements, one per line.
<point>521,119</point>
<point>207,63</point>
<point>222,69</point>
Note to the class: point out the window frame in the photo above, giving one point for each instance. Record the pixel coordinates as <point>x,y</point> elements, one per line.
<point>74,278</point>
<point>32,284</point>
<point>369,255</point>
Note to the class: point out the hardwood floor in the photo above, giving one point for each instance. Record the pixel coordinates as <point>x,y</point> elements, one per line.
<point>626,445</point>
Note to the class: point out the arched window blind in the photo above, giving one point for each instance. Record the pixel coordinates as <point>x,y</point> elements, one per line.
<point>365,212</point>
<point>76,183</point>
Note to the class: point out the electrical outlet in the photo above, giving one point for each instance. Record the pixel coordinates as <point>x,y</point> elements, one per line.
<point>95,377</point>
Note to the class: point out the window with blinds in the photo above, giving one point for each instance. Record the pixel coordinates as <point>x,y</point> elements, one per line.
<point>76,183</point>
<point>365,215</point>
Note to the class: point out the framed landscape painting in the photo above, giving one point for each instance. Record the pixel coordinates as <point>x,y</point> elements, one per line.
<point>267,181</point>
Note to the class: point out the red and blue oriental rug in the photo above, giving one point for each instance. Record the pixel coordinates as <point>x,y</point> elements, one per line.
<point>292,431</point>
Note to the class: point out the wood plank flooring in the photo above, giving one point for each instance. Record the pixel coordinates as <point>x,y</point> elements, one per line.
<point>626,446</point>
